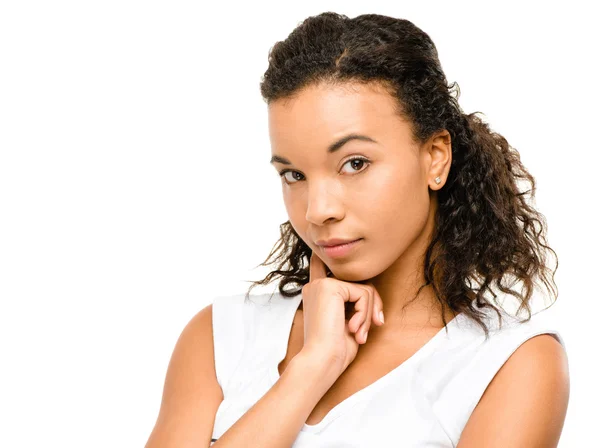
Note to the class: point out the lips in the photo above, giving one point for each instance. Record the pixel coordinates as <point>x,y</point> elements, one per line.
<point>335,242</point>
<point>341,250</point>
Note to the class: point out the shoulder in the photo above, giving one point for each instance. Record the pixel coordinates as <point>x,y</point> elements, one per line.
<point>529,394</point>
<point>191,393</point>
<point>201,319</point>
<point>197,333</point>
<point>194,351</point>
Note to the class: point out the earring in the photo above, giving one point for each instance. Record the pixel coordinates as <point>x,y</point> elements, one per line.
<point>437,180</point>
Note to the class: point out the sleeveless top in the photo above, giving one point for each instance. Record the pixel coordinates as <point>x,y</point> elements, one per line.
<point>424,402</point>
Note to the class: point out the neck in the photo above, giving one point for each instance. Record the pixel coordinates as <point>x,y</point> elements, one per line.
<point>398,286</point>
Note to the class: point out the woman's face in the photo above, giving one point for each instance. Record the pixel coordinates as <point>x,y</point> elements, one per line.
<point>382,198</point>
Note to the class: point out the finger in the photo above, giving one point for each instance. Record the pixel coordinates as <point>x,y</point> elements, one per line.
<point>316,268</point>
<point>362,316</point>
<point>377,306</point>
<point>358,295</point>
<point>355,322</point>
<point>366,325</point>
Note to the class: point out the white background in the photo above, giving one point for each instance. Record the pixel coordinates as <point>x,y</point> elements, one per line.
<point>135,184</point>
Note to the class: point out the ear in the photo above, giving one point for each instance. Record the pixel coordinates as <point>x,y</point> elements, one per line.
<point>440,158</point>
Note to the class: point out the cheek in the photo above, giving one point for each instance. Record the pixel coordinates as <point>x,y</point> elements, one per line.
<point>396,202</point>
<point>297,217</point>
<point>389,190</point>
<point>294,209</point>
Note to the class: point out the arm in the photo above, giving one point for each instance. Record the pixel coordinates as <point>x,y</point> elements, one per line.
<point>276,419</point>
<point>525,404</point>
<point>191,394</point>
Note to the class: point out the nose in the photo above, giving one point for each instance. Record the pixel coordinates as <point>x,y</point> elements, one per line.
<point>324,203</point>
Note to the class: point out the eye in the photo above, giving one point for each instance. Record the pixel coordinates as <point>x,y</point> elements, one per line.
<point>361,161</point>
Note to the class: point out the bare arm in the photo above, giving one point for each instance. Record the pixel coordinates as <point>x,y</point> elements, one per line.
<point>191,394</point>
<point>525,404</point>
<point>276,419</point>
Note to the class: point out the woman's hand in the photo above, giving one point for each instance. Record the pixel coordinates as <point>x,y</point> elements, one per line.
<point>328,335</point>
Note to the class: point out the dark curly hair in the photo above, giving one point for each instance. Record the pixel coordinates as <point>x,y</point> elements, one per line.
<point>485,231</point>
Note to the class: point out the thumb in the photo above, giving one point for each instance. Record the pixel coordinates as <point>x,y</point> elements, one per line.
<point>316,268</point>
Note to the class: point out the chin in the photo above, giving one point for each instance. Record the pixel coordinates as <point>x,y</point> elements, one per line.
<point>348,275</point>
<point>359,270</point>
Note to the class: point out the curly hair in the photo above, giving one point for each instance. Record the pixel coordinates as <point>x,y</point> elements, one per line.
<point>485,232</point>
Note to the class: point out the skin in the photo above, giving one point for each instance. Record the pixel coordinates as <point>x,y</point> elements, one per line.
<point>328,197</point>
<point>331,197</point>
<point>390,202</point>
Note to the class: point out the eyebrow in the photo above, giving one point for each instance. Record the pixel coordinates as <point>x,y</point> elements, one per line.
<point>332,148</point>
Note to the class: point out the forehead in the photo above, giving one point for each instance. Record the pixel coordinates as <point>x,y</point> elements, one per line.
<point>324,111</point>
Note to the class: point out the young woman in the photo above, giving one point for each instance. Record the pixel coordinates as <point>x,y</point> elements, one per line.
<point>407,230</point>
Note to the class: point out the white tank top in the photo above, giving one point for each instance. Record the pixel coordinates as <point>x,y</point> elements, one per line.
<point>424,402</point>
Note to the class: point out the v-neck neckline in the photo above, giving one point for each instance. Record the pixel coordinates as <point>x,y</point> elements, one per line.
<point>366,391</point>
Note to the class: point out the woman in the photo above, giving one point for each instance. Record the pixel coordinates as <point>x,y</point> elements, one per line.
<point>410,219</point>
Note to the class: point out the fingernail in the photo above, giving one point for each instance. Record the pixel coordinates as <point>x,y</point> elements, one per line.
<point>381,316</point>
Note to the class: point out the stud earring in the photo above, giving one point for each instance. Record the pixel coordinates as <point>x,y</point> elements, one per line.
<point>438,180</point>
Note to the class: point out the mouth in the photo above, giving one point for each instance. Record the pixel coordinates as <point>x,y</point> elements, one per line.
<point>341,250</point>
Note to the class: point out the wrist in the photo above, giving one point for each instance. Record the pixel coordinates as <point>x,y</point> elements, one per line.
<point>319,369</point>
